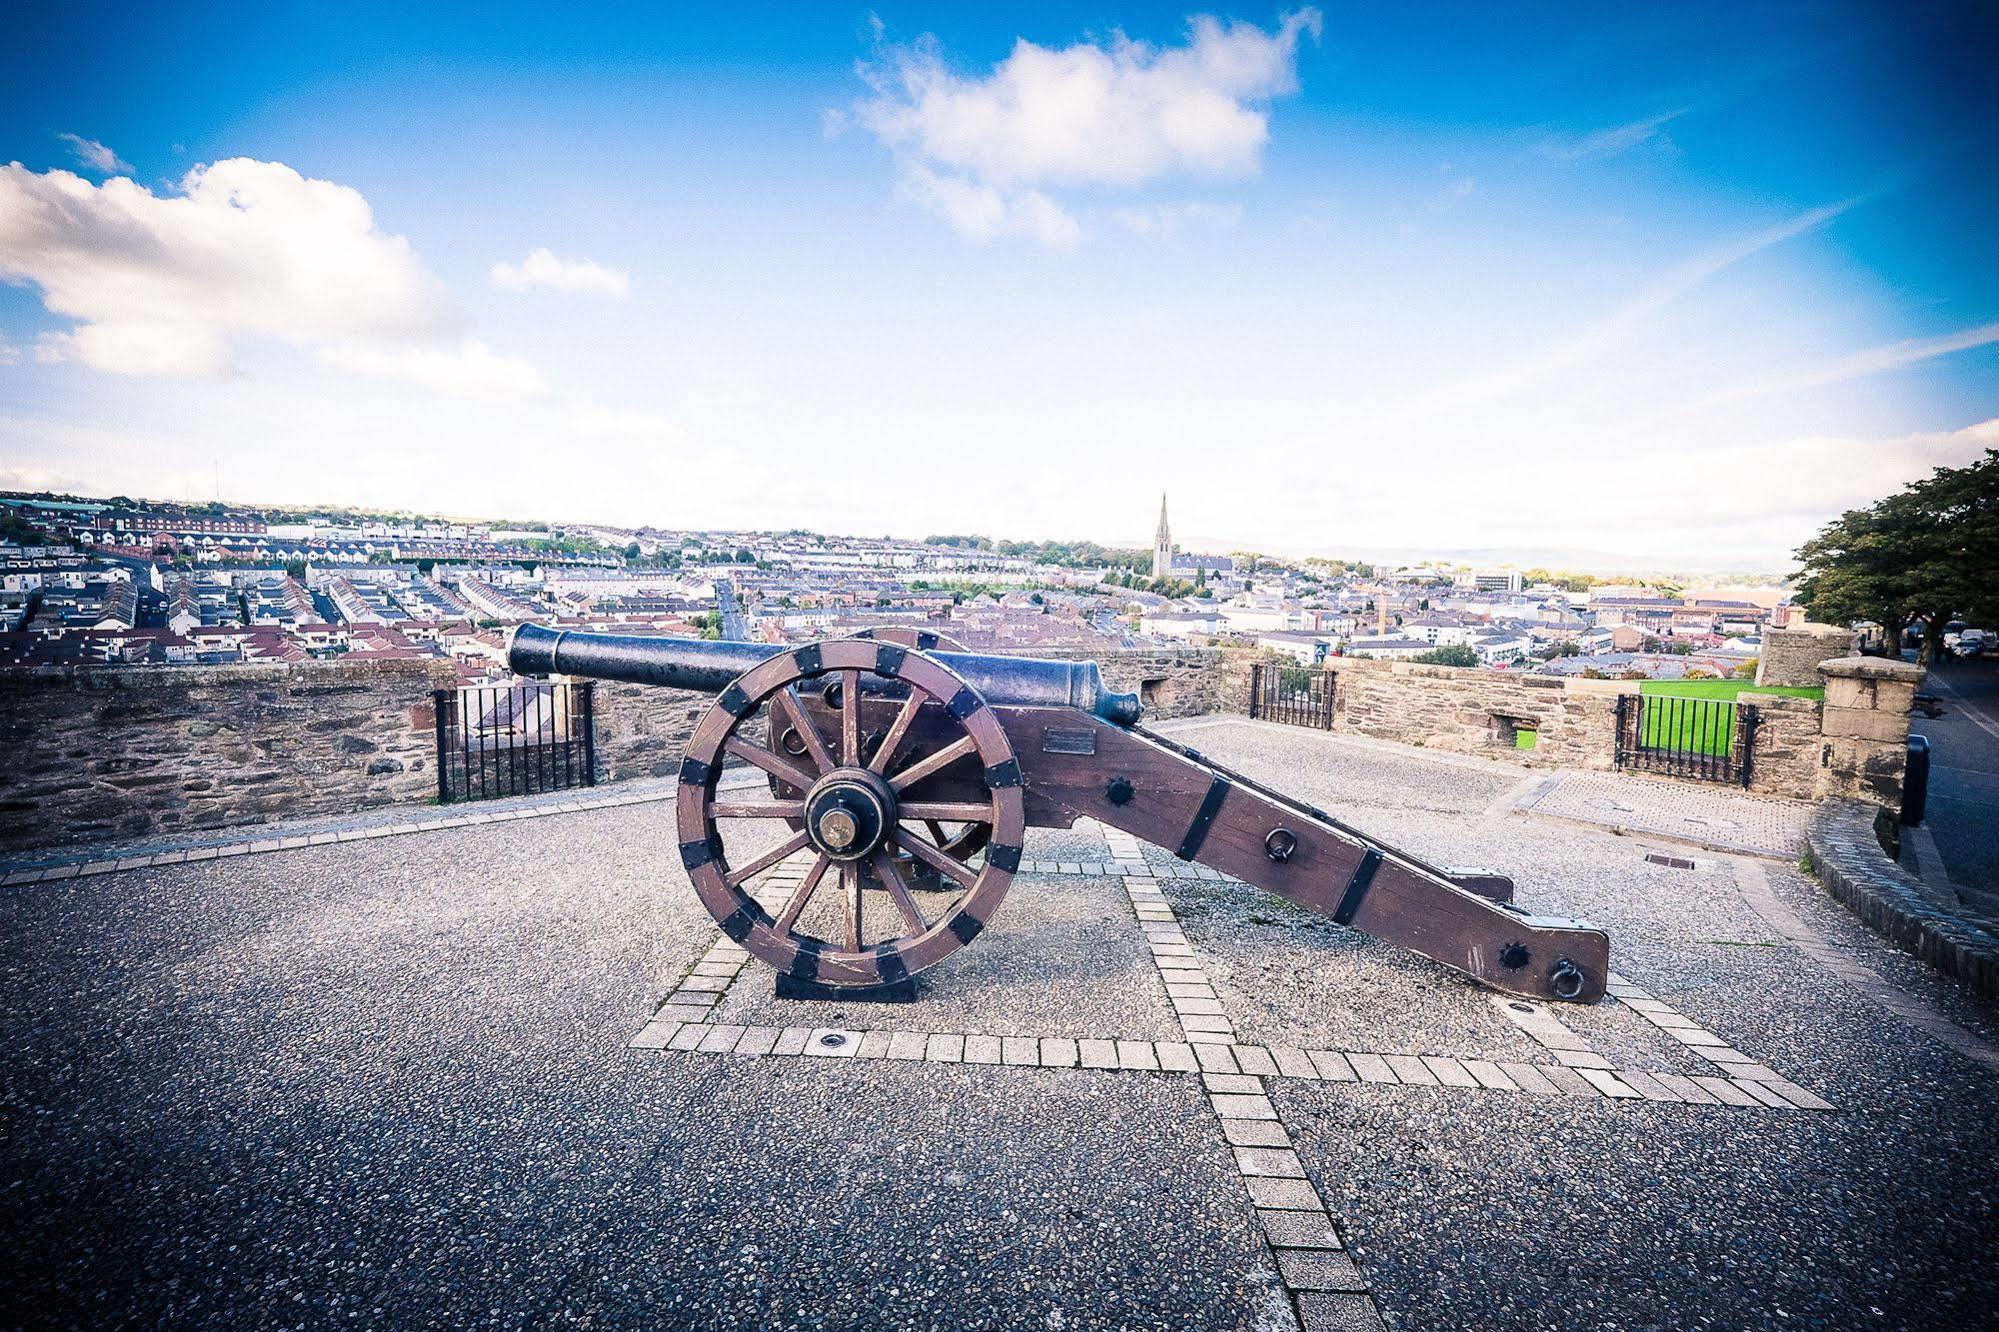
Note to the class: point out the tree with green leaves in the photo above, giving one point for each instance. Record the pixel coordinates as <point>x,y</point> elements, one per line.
<point>1455,654</point>
<point>1929,552</point>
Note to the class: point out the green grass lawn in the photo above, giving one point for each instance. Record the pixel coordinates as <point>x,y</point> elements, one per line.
<point>1701,730</point>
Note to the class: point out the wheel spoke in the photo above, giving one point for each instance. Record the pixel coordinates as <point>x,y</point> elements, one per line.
<point>943,758</point>
<point>766,860</point>
<point>896,731</point>
<point>850,718</point>
<point>757,809</point>
<point>932,810</point>
<point>937,860</point>
<point>815,744</point>
<point>808,886</point>
<point>850,884</point>
<point>899,893</point>
<point>769,762</point>
<point>936,831</point>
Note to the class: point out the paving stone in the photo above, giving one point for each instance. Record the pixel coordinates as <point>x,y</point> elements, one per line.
<point>1024,1051</point>
<point>1609,1084</point>
<point>1411,1070</point>
<point>791,1041</point>
<point>1098,1053</point>
<point>1449,1071</point>
<point>1177,1056</point>
<point>1216,1059</point>
<point>833,1043</point>
<point>1293,1063</point>
<point>1137,1055</point>
<point>1796,1095</point>
<point>1198,1022</point>
<point>1255,1133</point>
<point>1648,1086</point>
<point>694,1000</point>
<point>688,1036</point>
<point>758,1040</point>
<point>874,1045</point>
<point>1685,1088</point>
<point>1336,1067</point>
<point>1242,1107</point>
<point>1234,1084</point>
<point>1292,1194</point>
<point>1058,1052</point>
<point>944,1048</point>
<point>1319,1269</point>
<point>1566,1080</point>
<point>1761,1091</point>
<point>907,1044</point>
<point>1255,1059</point>
<point>1337,1311</point>
<point>1582,1059</point>
<point>1275,1162</point>
<point>1491,1076</point>
<point>1184,1005</point>
<point>1298,1230</point>
<point>721,1038</point>
<point>1725,1091</point>
<point>1371,1067</point>
<point>982,1049</point>
<point>1190,990</point>
<point>654,1035</point>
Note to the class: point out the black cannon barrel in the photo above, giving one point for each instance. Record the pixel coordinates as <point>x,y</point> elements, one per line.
<point>709,665</point>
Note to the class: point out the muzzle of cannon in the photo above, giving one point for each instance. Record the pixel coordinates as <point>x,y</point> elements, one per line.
<point>904,781</point>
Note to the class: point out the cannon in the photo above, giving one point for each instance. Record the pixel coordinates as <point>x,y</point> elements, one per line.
<point>905,780</point>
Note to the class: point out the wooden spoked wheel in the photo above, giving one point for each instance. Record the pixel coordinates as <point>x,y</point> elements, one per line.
<point>907,635</point>
<point>842,809</point>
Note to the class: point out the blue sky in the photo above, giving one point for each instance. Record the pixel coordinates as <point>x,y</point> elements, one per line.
<point>1653,288</point>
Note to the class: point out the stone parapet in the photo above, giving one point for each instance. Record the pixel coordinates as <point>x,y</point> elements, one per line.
<point>104,753</point>
<point>1790,657</point>
<point>1864,730</point>
<point>1844,850</point>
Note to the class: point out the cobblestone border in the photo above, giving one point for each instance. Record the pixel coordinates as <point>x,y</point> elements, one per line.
<point>1841,847</point>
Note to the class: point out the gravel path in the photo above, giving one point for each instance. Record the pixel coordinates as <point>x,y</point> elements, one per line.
<point>387,1083</point>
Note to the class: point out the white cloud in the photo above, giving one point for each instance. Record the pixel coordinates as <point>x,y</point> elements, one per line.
<point>1168,220</point>
<point>542,269</point>
<point>470,369</point>
<point>166,284</point>
<point>984,213</point>
<point>162,283</point>
<point>980,151</point>
<point>9,353</point>
<point>1610,142</point>
<point>1871,361</point>
<point>94,155</point>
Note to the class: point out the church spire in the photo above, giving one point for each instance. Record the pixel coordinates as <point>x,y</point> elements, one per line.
<point>1162,544</point>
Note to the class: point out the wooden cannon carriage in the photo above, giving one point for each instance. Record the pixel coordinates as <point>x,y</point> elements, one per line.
<point>909,777</point>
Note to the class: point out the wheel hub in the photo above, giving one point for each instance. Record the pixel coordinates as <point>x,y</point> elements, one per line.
<point>849,813</point>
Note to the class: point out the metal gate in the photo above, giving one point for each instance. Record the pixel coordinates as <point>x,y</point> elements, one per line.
<point>1706,739</point>
<point>514,739</point>
<point>1294,695</point>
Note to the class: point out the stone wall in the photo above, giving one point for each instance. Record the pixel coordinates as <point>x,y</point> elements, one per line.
<point>641,730</point>
<point>1790,657</point>
<point>1469,710</point>
<point>1864,735</point>
<point>98,754</point>
<point>1785,761</point>
<point>1170,682</point>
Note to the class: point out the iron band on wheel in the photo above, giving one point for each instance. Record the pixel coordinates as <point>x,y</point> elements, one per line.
<point>851,810</point>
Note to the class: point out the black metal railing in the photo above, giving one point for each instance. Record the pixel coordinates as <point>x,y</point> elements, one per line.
<point>1704,739</point>
<point>515,739</point>
<point>1294,695</point>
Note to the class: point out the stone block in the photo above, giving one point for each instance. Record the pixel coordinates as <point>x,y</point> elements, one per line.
<point>1866,724</point>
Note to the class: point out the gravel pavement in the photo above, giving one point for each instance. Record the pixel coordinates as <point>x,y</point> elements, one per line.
<point>390,1083</point>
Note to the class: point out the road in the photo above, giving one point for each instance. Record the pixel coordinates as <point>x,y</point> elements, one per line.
<point>734,627</point>
<point>1963,813</point>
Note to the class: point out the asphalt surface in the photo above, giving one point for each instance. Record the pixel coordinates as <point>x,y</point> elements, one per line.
<point>1963,813</point>
<point>386,1083</point>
